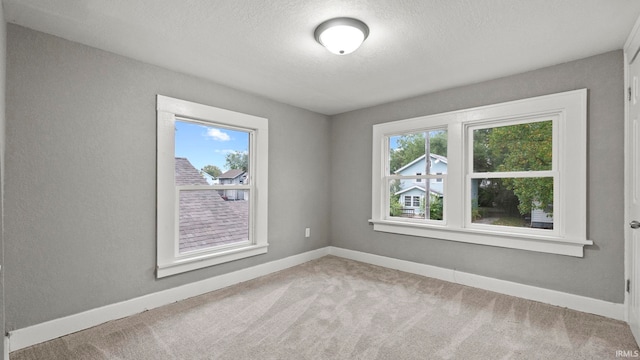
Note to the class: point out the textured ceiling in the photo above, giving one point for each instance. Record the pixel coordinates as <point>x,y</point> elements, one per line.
<point>267,47</point>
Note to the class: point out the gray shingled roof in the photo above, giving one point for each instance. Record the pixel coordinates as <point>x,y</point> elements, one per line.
<point>231,174</point>
<point>186,174</point>
<point>206,219</point>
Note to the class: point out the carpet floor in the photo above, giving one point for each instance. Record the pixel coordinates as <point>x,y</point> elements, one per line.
<point>333,308</point>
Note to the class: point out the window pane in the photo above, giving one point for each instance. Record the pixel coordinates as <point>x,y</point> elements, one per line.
<point>523,147</point>
<point>416,201</point>
<point>407,153</point>
<point>518,202</point>
<point>208,155</point>
<point>407,200</point>
<point>207,220</point>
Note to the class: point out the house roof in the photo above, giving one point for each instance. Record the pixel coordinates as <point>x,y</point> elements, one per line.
<point>186,174</point>
<point>431,190</point>
<point>206,219</point>
<point>231,174</point>
<point>436,157</point>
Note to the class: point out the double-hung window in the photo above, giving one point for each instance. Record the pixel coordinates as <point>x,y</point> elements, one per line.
<point>211,186</point>
<point>510,175</point>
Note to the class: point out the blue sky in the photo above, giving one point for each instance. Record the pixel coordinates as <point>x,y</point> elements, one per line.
<point>208,145</point>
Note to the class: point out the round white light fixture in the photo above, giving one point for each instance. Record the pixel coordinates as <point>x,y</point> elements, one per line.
<point>342,36</point>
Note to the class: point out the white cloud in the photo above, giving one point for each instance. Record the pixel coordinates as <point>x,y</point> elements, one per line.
<point>216,134</point>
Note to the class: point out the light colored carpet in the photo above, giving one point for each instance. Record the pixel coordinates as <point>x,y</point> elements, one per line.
<point>333,308</point>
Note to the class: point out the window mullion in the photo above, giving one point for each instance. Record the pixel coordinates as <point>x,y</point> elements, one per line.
<point>454,206</point>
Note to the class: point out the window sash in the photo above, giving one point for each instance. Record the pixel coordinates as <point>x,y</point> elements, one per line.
<point>553,173</point>
<point>212,249</point>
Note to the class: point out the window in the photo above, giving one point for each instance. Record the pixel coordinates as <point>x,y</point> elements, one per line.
<point>416,201</point>
<point>510,175</point>
<point>418,179</point>
<point>201,223</point>
<point>407,201</point>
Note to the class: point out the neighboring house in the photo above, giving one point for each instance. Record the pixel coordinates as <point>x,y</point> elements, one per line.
<point>541,219</point>
<point>412,190</point>
<point>206,219</point>
<point>233,177</point>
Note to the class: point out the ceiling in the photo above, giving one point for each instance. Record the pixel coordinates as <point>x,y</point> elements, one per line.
<point>267,47</point>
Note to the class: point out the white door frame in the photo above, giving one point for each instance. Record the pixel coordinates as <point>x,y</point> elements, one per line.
<point>631,48</point>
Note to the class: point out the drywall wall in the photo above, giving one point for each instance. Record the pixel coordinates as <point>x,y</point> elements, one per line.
<point>600,274</point>
<point>81,176</point>
<point>3,73</point>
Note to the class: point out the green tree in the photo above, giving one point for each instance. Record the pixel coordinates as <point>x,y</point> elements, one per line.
<point>482,156</point>
<point>237,160</point>
<point>395,208</point>
<point>394,203</point>
<point>435,207</point>
<point>438,143</point>
<point>212,170</point>
<point>523,147</point>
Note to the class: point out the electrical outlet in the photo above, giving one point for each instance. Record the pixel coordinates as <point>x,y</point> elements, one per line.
<point>307,232</point>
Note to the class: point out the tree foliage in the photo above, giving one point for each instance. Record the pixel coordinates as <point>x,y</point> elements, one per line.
<point>212,170</point>
<point>524,147</point>
<point>237,160</point>
<point>395,205</point>
<point>435,207</point>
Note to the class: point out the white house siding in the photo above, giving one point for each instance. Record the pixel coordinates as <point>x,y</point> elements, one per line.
<point>541,219</point>
<point>437,166</point>
<point>412,193</point>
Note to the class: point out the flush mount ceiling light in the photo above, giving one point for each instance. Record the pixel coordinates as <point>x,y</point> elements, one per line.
<point>341,36</point>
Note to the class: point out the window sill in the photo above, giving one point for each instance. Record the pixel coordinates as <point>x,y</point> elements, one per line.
<point>544,244</point>
<point>203,260</point>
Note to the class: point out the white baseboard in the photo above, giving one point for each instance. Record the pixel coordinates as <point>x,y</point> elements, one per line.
<point>553,297</point>
<point>21,338</point>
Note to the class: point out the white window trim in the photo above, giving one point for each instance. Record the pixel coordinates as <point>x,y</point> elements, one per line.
<point>570,110</point>
<point>169,261</point>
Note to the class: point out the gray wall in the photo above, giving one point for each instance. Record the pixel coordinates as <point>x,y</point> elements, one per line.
<point>81,176</point>
<point>3,72</point>
<point>600,274</point>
